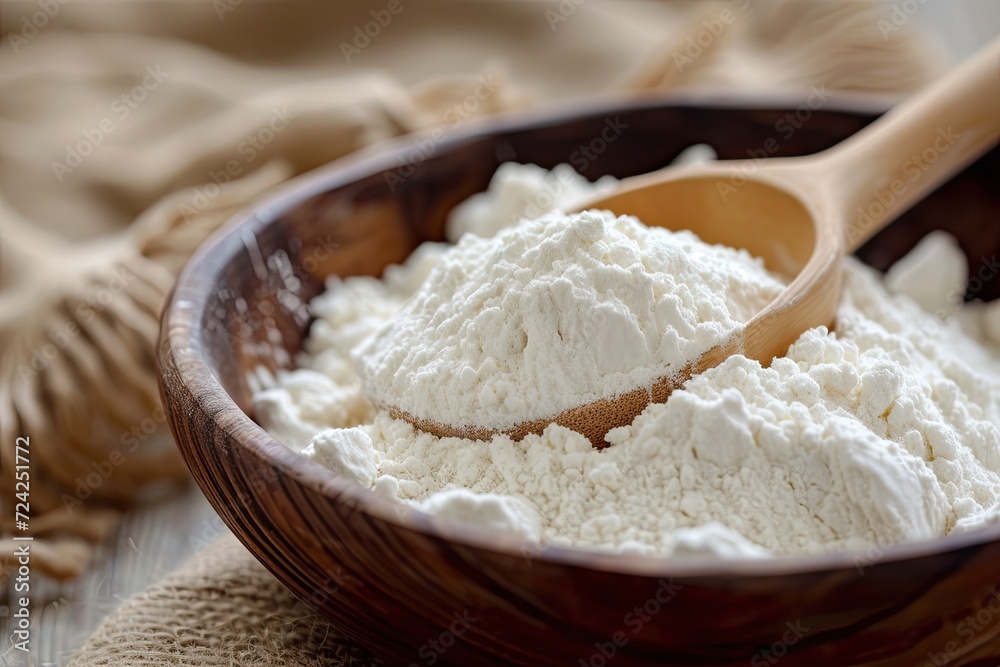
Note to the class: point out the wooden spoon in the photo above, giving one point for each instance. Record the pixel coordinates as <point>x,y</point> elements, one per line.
<point>801,216</point>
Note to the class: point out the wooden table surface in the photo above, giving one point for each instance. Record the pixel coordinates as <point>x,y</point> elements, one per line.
<point>153,540</point>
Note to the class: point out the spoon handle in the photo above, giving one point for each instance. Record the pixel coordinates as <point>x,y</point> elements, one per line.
<point>886,168</point>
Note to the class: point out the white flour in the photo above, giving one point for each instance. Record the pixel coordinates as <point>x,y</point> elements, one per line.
<point>556,313</point>
<point>887,431</point>
<point>521,191</point>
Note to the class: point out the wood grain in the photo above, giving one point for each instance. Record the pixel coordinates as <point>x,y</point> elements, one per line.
<point>400,581</point>
<point>150,542</point>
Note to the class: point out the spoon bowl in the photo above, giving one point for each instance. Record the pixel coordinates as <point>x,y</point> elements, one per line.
<point>391,577</point>
<point>801,216</point>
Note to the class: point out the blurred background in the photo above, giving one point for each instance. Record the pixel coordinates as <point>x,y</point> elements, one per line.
<point>130,131</point>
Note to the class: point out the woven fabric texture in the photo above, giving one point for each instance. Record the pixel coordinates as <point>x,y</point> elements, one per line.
<point>221,608</point>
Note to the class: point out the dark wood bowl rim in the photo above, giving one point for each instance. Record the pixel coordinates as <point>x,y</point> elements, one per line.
<point>182,346</point>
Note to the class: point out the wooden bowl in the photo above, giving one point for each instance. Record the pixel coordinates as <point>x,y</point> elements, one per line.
<point>420,591</point>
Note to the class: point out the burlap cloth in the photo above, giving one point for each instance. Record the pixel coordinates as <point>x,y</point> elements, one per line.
<point>221,608</point>
<point>130,132</point>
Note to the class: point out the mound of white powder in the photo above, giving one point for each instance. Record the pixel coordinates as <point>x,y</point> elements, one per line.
<point>886,431</point>
<point>522,191</point>
<point>556,313</point>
